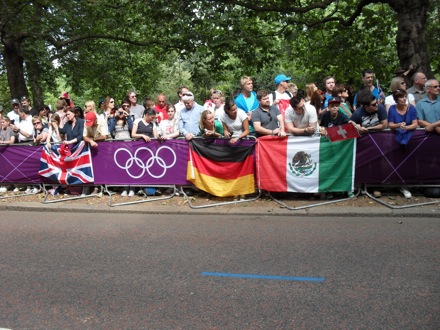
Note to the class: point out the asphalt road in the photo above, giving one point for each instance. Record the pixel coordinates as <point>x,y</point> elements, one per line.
<point>101,271</point>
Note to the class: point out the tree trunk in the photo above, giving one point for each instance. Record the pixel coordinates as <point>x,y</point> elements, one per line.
<point>411,35</point>
<point>14,67</point>
<point>35,85</point>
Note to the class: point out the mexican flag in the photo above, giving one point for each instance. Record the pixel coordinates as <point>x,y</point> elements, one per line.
<point>305,164</point>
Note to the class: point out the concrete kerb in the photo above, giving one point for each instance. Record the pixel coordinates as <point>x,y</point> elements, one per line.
<point>373,211</point>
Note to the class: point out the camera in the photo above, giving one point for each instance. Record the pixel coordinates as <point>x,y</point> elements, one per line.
<point>12,121</point>
<point>120,112</point>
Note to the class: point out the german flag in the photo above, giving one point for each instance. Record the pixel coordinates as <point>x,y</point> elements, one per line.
<point>221,169</point>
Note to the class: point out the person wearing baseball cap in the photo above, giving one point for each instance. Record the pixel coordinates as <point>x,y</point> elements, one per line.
<point>93,129</point>
<point>333,117</point>
<point>13,114</point>
<point>281,96</point>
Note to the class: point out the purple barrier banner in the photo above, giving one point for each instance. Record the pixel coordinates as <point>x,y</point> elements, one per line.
<point>381,160</point>
<point>114,163</point>
<point>20,164</point>
<point>138,162</point>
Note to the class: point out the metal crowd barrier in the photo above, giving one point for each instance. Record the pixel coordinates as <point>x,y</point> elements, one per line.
<point>327,202</point>
<point>365,192</point>
<point>68,197</point>
<point>363,188</point>
<point>146,198</point>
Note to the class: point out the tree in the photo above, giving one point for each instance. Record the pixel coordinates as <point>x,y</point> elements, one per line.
<point>411,21</point>
<point>93,43</point>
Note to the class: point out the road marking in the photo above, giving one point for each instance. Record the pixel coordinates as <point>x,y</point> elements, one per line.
<point>266,277</point>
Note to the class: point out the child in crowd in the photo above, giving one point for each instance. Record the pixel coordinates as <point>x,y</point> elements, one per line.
<point>169,128</point>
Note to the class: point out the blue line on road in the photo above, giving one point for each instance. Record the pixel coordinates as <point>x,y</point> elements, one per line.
<point>266,277</point>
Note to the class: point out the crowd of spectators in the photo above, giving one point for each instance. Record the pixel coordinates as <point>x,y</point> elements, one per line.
<point>286,110</point>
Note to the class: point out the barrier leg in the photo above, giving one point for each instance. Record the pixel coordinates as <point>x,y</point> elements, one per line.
<point>365,192</point>
<point>147,198</point>
<point>47,193</point>
<point>188,199</point>
<point>312,205</point>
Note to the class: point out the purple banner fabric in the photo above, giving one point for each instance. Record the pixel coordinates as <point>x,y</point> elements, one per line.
<point>381,160</point>
<point>138,162</point>
<point>20,164</point>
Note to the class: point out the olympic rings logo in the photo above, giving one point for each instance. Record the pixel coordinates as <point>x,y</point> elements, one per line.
<point>134,160</point>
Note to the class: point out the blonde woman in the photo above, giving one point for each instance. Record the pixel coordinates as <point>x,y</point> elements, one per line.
<point>310,89</point>
<point>398,83</point>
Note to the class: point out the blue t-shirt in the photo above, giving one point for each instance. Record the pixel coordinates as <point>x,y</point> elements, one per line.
<point>408,117</point>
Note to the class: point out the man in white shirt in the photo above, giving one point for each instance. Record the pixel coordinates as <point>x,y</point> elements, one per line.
<point>13,114</point>
<point>301,118</point>
<point>24,128</point>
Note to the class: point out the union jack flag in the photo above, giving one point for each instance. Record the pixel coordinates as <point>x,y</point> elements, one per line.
<point>67,166</point>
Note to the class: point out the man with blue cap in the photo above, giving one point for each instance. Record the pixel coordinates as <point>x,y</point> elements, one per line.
<point>281,96</point>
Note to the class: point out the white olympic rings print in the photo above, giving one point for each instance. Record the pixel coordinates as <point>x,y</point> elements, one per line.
<point>134,159</point>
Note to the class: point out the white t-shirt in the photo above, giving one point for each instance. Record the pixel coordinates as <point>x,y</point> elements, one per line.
<point>167,127</point>
<point>279,96</point>
<point>26,126</point>
<point>389,100</point>
<point>235,126</point>
<point>303,120</point>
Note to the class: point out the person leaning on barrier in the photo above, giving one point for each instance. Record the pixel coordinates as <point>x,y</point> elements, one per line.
<point>73,129</point>
<point>145,127</point>
<point>235,122</point>
<point>370,116</point>
<point>333,117</point>
<point>402,118</point>
<point>428,109</point>
<point>54,130</point>
<point>169,128</point>
<point>301,118</point>
<point>94,131</point>
<point>24,128</point>
<point>210,127</point>
<point>7,136</point>
<point>267,119</point>
<point>40,130</point>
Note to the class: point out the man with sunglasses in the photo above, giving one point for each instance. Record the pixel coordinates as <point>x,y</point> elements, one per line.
<point>267,119</point>
<point>428,108</point>
<point>136,109</point>
<point>370,116</point>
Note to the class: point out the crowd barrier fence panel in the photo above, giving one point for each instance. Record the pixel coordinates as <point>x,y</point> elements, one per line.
<point>250,141</point>
<point>380,161</point>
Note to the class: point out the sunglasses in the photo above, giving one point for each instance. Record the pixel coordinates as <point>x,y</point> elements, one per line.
<point>37,123</point>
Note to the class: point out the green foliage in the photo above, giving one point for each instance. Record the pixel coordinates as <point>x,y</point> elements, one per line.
<point>105,47</point>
